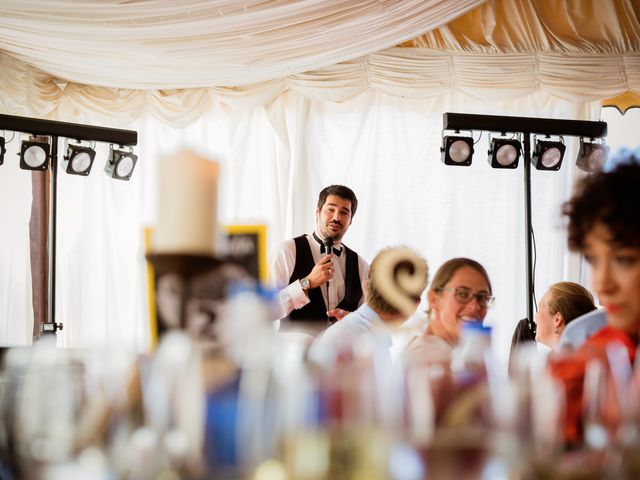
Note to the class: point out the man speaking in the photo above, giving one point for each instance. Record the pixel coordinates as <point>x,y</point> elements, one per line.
<point>321,278</point>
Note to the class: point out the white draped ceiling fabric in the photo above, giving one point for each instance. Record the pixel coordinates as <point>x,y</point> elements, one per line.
<point>119,60</point>
<point>290,96</point>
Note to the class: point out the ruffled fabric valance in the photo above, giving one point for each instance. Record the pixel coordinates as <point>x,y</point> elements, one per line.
<point>403,72</point>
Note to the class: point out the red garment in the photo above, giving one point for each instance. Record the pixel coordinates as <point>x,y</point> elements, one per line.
<point>570,370</point>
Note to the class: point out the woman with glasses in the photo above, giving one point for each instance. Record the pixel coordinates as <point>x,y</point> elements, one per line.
<point>460,292</point>
<point>563,302</point>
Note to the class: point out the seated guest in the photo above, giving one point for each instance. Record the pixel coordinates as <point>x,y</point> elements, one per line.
<point>558,310</point>
<point>563,302</point>
<point>604,225</point>
<point>460,292</point>
<point>577,332</point>
<point>375,317</point>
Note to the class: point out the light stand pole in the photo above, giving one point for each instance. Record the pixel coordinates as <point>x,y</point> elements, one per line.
<point>50,326</point>
<point>526,126</point>
<point>528,225</point>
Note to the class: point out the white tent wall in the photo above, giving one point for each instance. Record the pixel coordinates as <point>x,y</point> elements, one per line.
<point>16,311</point>
<point>275,159</point>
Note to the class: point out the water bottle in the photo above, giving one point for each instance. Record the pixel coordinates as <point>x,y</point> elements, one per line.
<point>467,360</point>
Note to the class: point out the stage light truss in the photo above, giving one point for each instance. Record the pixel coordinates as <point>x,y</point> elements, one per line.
<point>38,151</point>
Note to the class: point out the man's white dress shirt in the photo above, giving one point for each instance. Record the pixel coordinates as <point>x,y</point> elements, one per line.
<point>291,296</point>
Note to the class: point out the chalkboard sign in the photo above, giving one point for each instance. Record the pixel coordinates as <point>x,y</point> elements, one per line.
<point>186,290</point>
<point>247,246</point>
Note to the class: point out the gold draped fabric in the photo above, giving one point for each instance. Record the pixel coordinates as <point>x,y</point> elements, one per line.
<point>541,26</point>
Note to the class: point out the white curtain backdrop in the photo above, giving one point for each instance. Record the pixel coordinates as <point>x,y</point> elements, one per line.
<point>16,311</point>
<point>276,159</point>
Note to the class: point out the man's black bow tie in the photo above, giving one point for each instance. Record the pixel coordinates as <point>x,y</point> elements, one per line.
<point>336,251</point>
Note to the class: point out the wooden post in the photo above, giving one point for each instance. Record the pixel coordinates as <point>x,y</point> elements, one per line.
<point>39,248</point>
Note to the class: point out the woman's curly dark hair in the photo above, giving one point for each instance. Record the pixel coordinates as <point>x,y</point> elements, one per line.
<point>612,199</point>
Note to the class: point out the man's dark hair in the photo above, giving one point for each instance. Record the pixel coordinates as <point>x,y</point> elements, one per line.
<point>342,192</point>
<point>612,199</point>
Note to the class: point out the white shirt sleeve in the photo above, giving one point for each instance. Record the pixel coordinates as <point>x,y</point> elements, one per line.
<point>291,296</point>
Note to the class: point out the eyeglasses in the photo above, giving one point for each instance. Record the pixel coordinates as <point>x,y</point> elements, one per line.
<point>464,295</point>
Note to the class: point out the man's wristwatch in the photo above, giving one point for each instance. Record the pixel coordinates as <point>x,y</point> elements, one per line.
<point>305,284</point>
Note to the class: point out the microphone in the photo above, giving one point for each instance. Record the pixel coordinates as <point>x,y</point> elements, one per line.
<point>328,245</point>
<point>328,248</point>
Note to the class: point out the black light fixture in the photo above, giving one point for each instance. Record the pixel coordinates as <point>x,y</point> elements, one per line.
<point>504,152</point>
<point>2,150</point>
<point>548,154</point>
<point>457,150</point>
<point>592,155</point>
<point>35,153</point>
<point>120,163</point>
<point>78,159</point>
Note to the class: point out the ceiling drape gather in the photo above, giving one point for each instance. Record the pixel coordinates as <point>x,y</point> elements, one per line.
<point>187,44</point>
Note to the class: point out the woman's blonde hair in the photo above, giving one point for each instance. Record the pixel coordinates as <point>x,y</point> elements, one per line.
<point>570,300</point>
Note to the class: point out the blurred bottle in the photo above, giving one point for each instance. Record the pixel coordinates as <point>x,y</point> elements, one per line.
<point>468,358</point>
<point>462,445</point>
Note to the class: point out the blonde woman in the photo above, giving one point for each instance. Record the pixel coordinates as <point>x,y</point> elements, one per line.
<point>563,302</point>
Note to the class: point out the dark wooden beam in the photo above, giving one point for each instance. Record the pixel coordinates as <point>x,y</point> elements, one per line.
<point>39,248</point>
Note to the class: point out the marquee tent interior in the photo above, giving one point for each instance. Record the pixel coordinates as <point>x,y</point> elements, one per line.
<point>289,97</point>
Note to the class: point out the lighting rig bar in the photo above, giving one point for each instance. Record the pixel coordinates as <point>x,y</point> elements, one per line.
<point>77,131</point>
<point>540,126</point>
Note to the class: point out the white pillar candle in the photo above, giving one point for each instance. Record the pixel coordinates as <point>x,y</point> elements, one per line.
<point>187,205</point>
